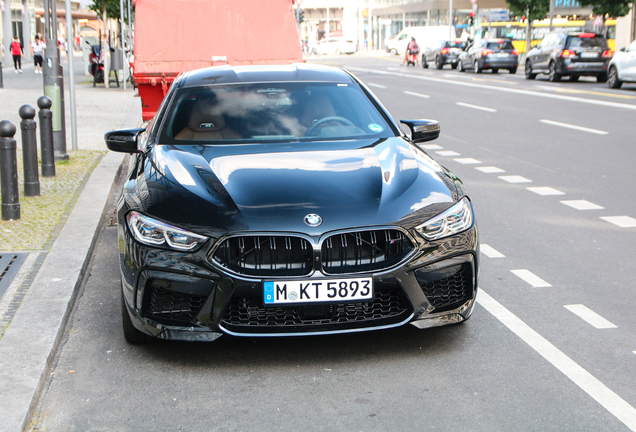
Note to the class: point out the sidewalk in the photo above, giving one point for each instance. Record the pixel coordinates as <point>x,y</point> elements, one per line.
<point>42,294</point>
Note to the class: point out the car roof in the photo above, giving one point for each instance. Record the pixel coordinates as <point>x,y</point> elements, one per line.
<point>296,72</point>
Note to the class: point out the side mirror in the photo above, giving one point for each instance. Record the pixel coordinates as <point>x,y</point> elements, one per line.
<point>423,130</point>
<point>622,49</point>
<point>123,141</point>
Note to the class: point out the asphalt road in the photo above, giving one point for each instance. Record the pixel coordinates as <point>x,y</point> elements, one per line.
<point>551,345</point>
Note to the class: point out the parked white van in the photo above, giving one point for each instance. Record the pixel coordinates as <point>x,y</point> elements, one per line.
<point>424,36</point>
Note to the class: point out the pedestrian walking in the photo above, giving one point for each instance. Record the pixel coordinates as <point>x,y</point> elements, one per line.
<point>37,51</point>
<point>17,52</point>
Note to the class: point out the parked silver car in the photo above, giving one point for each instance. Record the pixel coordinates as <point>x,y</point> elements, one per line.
<point>622,68</point>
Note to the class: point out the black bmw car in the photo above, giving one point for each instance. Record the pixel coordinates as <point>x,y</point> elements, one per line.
<point>282,201</point>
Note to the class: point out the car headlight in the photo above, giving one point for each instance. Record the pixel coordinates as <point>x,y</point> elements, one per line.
<point>456,219</point>
<point>154,233</point>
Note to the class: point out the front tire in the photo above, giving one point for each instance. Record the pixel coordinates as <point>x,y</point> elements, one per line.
<point>554,76</point>
<point>529,74</point>
<point>612,79</point>
<point>460,67</point>
<point>394,51</point>
<point>439,63</point>
<point>424,64</point>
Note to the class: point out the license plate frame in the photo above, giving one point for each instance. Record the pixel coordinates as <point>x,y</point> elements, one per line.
<point>317,291</point>
<point>589,55</point>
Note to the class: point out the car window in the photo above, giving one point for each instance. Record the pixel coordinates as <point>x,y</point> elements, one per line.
<point>585,41</point>
<point>272,111</point>
<point>455,44</point>
<point>632,47</point>
<point>404,36</point>
<point>500,46</point>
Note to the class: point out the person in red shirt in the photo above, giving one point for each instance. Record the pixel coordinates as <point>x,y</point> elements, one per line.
<point>16,51</point>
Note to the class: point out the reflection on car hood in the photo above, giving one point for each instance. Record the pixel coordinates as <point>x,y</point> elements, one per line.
<point>272,187</point>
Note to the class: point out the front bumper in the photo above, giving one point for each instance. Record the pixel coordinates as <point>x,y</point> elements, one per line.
<point>183,296</point>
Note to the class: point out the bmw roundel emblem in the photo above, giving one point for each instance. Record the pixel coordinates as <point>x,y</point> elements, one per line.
<point>313,220</point>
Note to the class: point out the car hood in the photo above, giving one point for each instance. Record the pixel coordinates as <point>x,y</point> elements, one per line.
<point>213,189</point>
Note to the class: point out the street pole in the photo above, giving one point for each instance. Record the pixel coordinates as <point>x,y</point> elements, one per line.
<point>450,19</point>
<point>6,31</point>
<point>551,13</point>
<point>122,26</point>
<point>53,75</point>
<point>71,75</point>
<point>26,30</point>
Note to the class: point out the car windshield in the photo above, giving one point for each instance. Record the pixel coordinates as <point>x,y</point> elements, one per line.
<point>587,42</point>
<point>455,44</point>
<point>289,111</point>
<point>500,46</point>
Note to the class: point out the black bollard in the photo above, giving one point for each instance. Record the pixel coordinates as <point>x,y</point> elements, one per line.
<point>46,137</point>
<point>9,171</point>
<point>29,151</point>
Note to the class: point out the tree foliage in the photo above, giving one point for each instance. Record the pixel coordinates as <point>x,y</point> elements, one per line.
<point>538,9</point>
<point>112,8</point>
<point>613,8</point>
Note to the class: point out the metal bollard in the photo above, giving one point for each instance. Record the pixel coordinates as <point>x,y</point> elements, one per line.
<point>29,151</point>
<point>46,137</point>
<point>9,171</point>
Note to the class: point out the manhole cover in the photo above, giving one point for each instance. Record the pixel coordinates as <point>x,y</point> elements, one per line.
<point>10,264</point>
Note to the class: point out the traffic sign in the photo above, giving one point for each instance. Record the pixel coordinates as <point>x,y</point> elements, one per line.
<point>598,21</point>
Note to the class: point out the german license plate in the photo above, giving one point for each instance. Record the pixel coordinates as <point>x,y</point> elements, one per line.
<point>317,291</point>
<point>589,54</point>
<point>502,54</point>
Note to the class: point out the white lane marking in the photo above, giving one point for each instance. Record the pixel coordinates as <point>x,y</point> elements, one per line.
<point>531,278</point>
<point>490,252</point>
<point>477,107</point>
<point>588,315</point>
<point>621,221</point>
<point>568,367</point>
<point>515,179</point>
<point>569,126</point>
<point>417,94</point>
<point>490,169</point>
<point>545,191</point>
<point>431,147</point>
<point>447,153</point>
<point>467,161</point>
<point>376,85</point>
<point>582,205</point>
<point>391,68</point>
<point>501,89</point>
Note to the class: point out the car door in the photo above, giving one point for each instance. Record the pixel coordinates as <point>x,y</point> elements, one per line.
<point>541,60</point>
<point>471,54</point>
<point>628,69</point>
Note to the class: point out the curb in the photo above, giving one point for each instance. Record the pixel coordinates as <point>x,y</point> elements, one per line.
<point>29,345</point>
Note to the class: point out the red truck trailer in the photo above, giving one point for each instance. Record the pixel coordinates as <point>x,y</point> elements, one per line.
<point>174,36</point>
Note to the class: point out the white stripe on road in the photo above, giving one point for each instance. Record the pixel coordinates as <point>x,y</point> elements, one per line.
<point>417,94</point>
<point>582,205</point>
<point>579,376</point>
<point>515,179</point>
<point>569,126</point>
<point>588,315</point>
<point>447,153</point>
<point>376,85</point>
<point>545,191</point>
<point>621,221</point>
<point>490,252</point>
<point>501,89</point>
<point>431,147</point>
<point>531,278</point>
<point>490,169</point>
<point>467,161</point>
<point>477,107</point>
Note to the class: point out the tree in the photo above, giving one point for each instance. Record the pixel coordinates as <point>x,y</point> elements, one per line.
<point>532,9</point>
<point>613,8</point>
<point>112,8</point>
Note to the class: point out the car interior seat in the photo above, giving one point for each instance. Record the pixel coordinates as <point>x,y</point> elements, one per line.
<point>207,123</point>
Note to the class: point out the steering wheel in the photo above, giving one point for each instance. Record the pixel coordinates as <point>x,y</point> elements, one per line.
<point>343,120</point>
